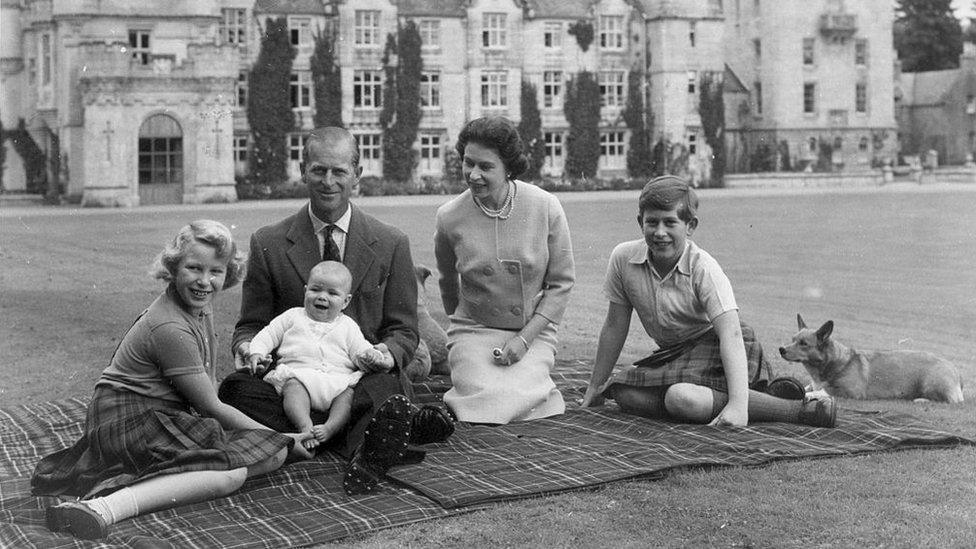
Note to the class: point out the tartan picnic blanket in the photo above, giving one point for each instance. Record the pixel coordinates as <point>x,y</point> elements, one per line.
<point>303,503</point>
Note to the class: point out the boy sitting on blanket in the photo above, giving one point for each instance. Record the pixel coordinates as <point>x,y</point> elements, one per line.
<point>706,357</point>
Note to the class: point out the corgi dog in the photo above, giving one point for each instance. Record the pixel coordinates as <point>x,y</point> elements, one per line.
<point>846,372</point>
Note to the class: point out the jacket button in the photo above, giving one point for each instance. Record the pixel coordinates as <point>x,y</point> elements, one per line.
<point>488,271</point>
<point>516,310</point>
<point>512,269</point>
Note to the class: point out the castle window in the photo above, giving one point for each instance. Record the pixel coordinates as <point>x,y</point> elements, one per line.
<point>493,32</point>
<point>367,89</point>
<point>861,97</point>
<point>430,90</point>
<point>300,32</point>
<point>494,89</point>
<point>367,28</point>
<point>139,46</point>
<point>861,52</point>
<point>233,26</point>
<point>611,32</point>
<point>552,35</point>
<point>611,88</point>
<point>552,89</point>
<point>809,97</point>
<point>808,45</point>
<point>430,33</point>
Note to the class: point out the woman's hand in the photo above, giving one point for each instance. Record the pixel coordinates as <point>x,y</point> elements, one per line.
<point>377,359</point>
<point>513,351</point>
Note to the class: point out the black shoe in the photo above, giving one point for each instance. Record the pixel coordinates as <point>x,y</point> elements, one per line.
<point>430,424</point>
<point>384,443</point>
<point>786,387</point>
<point>76,518</point>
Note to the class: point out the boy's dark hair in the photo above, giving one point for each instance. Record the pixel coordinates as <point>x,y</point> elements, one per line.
<point>666,192</point>
<point>500,134</point>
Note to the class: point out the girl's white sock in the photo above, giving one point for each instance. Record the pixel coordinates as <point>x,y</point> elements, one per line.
<point>117,506</point>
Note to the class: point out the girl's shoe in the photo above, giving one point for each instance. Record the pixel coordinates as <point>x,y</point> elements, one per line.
<point>77,519</point>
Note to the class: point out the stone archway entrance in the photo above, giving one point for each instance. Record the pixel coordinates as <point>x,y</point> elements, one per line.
<point>160,161</point>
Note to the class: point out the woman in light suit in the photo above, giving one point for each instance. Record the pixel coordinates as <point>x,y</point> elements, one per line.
<point>506,264</point>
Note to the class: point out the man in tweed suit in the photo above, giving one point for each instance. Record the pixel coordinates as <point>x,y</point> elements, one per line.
<point>384,291</point>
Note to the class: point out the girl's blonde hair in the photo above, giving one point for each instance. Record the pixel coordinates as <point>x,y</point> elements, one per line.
<point>205,231</point>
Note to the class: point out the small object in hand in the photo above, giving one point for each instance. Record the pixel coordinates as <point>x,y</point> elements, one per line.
<point>497,353</point>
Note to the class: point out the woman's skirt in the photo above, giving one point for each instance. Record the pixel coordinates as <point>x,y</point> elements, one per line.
<point>486,392</point>
<point>129,438</point>
<point>698,362</point>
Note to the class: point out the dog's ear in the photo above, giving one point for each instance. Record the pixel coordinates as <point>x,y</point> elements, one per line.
<point>824,332</point>
<point>799,322</point>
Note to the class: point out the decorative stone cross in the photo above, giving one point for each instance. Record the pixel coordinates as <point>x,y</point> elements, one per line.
<point>107,132</point>
<point>216,132</point>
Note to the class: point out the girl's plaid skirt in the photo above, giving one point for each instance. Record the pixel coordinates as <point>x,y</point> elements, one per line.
<point>699,362</point>
<point>129,438</point>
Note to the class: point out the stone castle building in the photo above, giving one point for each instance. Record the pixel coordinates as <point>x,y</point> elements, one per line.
<point>145,102</point>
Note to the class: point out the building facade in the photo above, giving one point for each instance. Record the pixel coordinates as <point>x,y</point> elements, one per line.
<point>936,111</point>
<point>820,76</point>
<point>145,103</point>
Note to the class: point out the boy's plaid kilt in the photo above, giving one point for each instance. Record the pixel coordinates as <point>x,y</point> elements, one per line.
<point>698,361</point>
<point>129,438</point>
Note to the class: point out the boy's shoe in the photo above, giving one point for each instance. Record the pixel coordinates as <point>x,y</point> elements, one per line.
<point>821,412</point>
<point>430,424</point>
<point>77,519</point>
<point>786,387</point>
<point>384,444</point>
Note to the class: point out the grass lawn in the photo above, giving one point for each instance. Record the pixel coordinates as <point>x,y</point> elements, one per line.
<point>893,267</point>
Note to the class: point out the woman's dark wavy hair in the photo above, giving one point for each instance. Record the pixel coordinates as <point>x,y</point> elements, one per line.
<point>666,192</point>
<point>205,231</point>
<point>500,134</point>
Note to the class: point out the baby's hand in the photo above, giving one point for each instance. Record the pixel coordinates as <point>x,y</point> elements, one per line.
<point>258,363</point>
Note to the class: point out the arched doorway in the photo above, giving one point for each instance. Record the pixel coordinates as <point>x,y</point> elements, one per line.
<point>160,161</point>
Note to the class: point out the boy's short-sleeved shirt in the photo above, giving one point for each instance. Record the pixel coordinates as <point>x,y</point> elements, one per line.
<point>677,307</point>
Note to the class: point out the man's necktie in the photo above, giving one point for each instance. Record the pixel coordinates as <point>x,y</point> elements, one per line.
<point>330,251</point>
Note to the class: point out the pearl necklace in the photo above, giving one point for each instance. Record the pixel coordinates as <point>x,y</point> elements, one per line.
<point>508,205</point>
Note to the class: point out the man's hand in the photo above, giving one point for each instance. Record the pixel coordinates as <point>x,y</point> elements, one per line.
<point>258,364</point>
<point>377,359</point>
<point>241,354</point>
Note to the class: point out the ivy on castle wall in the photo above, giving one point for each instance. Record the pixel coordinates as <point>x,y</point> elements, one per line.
<point>711,108</point>
<point>639,161</point>
<point>33,157</point>
<point>582,110</point>
<point>327,80</point>
<point>401,113</point>
<point>530,129</point>
<point>583,31</point>
<point>269,111</point>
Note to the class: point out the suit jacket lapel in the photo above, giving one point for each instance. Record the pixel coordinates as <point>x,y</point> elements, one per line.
<point>304,252</point>
<point>359,253</point>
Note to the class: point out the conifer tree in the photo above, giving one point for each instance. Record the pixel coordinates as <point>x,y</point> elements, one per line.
<point>269,107</point>
<point>928,37</point>
<point>327,80</point>
<point>639,162</point>
<point>402,109</point>
<point>582,109</point>
<point>711,109</point>
<point>530,129</point>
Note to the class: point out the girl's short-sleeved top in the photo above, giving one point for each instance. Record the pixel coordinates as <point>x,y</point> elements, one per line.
<point>164,342</point>
<point>674,308</point>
